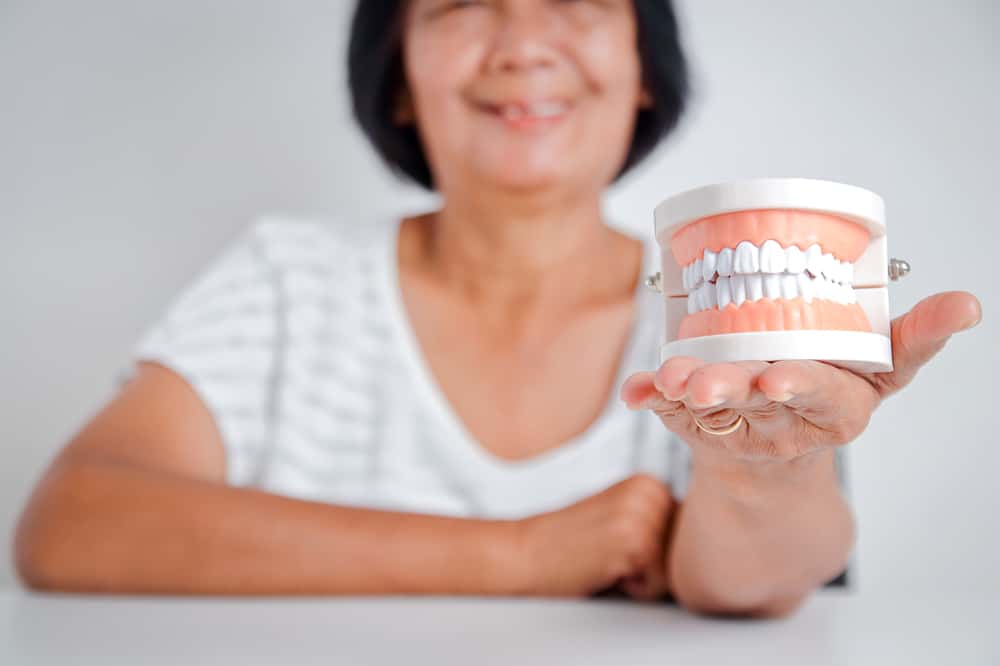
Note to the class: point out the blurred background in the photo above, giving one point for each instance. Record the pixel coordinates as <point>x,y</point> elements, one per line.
<point>137,138</point>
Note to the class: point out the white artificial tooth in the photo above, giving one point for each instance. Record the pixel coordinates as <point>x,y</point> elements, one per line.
<point>840,293</point>
<point>725,265</point>
<point>851,297</point>
<point>832,292</point>
<point>755,287</point>
<point>846,272</point>
<point>805,286</point>
<point>772,257</point>
<point>747,258</point>
<point>696,272</point>
<point>829,266</point>
<point>686,277</point>
<point>738,287</point>
<point>836,270</point>
<point>789,290</point>
<point>814,260</point>
<point>772,286</point>
<point>708,265</point>
<point>722,293</point>
<point>795,259</point>
<point>692,300</point>
<point>819,287</point>
<point>824,288</point>
<point>708,297</point>
<point>832,269</point>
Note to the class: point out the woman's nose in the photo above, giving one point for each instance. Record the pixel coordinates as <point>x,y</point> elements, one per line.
<point>525,37</point>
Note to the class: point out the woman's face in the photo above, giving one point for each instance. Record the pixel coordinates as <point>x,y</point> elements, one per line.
<point>523,94</point>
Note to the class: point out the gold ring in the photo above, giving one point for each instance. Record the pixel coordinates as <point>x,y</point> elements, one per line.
<point>731,428</point>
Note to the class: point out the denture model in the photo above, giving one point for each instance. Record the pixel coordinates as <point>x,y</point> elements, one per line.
<point>774,269</point>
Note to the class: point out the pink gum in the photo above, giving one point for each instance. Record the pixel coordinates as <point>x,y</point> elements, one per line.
<point>845,239</point>
<point>775,315</point>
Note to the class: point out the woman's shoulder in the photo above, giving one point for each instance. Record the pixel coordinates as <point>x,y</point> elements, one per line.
<point>289,241</point>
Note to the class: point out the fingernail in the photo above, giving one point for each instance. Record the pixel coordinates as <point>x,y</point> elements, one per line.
<point>974,323</point>
<point>713,401</point>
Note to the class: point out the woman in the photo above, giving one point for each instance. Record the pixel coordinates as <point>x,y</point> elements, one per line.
<point>433,406</point>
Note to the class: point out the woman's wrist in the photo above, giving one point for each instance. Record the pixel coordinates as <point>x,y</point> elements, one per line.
<point>753,482</point>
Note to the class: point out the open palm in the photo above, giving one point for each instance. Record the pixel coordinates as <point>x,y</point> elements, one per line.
<point>791,408</point>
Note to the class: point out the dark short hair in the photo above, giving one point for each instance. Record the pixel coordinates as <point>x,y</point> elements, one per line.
<point>376,77</point>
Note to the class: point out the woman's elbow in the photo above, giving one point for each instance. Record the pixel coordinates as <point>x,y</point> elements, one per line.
<point>53,535</point>
<point>38,557</point>
<point>776,608</point>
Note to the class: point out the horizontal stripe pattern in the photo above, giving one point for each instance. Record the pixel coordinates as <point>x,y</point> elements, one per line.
<point>291,340</point>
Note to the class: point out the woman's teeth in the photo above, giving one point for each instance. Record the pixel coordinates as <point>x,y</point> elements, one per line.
<point>750,273</point>
<point>534,110</point>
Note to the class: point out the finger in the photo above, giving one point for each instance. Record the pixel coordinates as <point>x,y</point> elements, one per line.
<point>921,333</point>
<point>649,585</point>
<point>638,391</point>
<point>671,378</point>
<point>834,400</point>
<point>730,384</point>
<point>672,381</point>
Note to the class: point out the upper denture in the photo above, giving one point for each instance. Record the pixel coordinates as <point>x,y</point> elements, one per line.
<point>842,238</point>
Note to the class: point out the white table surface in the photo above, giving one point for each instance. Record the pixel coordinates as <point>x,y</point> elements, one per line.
<point>834,627</point>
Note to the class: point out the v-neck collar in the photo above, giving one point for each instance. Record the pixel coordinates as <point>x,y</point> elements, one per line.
<point>461,441</point>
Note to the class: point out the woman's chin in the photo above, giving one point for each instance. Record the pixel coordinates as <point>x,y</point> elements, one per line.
<point>529,178</point>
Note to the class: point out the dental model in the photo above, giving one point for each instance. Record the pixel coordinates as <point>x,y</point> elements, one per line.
<point>775,269</point>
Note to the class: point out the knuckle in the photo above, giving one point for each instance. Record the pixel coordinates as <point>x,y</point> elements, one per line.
<point>768,410</point>
<point>636,535</point>
<point>649,486</point>
<point>669,411</point>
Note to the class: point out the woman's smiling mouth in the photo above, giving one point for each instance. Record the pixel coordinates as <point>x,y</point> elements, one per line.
<point>527,114</point>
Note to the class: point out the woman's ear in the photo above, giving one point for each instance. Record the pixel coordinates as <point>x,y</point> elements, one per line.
<point>645,98</point>
<point>402,112</point>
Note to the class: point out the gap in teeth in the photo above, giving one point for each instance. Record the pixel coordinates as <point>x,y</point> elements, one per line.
<point>749,273</point>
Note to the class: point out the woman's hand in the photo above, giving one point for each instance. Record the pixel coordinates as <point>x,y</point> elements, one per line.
<point>791,408</point>
<point>616,536</point>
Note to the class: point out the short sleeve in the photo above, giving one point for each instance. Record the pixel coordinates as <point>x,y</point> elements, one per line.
<point>220,334</point>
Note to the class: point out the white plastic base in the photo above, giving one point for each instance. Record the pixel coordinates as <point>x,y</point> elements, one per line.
<point>853,350</point>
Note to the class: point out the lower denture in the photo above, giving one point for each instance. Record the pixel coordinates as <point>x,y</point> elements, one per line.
<point>775,315</point>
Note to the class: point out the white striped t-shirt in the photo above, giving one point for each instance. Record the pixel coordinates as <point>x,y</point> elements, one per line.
<point>297,341</point>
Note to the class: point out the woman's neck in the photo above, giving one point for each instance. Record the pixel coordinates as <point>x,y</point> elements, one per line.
<point>528,251</point>
<point>525,270</point>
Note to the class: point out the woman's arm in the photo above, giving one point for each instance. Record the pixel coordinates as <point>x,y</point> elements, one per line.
<point>137,503</point>
<point>764,522</point>
<point>103,525</point>
<point>757,541</point>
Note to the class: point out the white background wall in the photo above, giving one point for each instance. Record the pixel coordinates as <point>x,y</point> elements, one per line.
<point>137,138</point>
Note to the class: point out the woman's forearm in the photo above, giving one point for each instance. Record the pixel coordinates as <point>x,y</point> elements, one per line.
<point>105,526</point>
<point>757,540</point>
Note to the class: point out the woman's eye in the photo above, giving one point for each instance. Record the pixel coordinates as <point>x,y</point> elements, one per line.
<point>451,5</point>
<point>590,4</point>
